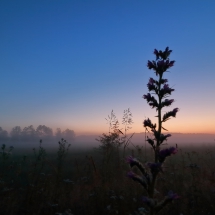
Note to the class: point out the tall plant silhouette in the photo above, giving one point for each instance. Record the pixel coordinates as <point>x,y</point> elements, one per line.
<point>150,170</point>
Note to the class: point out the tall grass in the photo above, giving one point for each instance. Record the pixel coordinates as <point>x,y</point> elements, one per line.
<point>29,185</point>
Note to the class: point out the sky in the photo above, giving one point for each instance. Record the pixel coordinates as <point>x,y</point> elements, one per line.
<point>68,64</point>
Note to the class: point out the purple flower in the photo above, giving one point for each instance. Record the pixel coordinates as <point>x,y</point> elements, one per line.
<point>163,55</point>
<point>151,85</point>
<point>150,141</point>
<point>131,160</point>
<point>164,137</point>
<point>156,134</point>
<point>147,123</point>
<point>156,53</point>
<point>166,53</point>
<point>175,110</point>
<point>154,167</point>
<point>154,103</point>
<point>161,137</point>
<point>167,102</point>
<point>131,175</point>
<point>169,114</point>
<point>173,150</point>
<point>172,196</point>
<point>137,178</point>
<point>166,152</point>
<point>148,97</point>
<point>166,90</point>
<point>151,65</point>
<point>149,202</point>
<point>151,100</point>
<point>169,64</point>
<point>161,63</point>
<point>163,81</point>
<point>134,162</point>
<point>161,67</point>
<point>152,81</point>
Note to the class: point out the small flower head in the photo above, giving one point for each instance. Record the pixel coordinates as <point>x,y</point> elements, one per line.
<point>164,137</point>
<point>151,65</point>
<point>156,53</point>
<point>138,179</point>
<point>151,100</point>
<point>172,196</point>
<point>154,167</point>
<point>150,141</point>
<point>173,150</point>
<point>131,175</point>
<point>163,81</point>
<point>131,160</point>
<point>166,152</point>
<point>154,103</point>
<point>168,64</point>
<point>166,53</point>
<point>151,85</point>
<point>149,202</point>
<point>171,63</point>
<point>172,113</point>
<point>167,102</point>
<point>162,54</point>
<point>152,81</point>
<point>161,64</point>
<point>148,97</point>
<point>175,110</point>
<point>147,123</point>
<point>166,90</point>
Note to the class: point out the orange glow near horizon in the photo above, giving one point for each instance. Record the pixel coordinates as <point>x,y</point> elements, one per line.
<point>171,127</point>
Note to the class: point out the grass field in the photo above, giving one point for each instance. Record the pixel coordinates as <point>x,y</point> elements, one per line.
<point>93,181</point>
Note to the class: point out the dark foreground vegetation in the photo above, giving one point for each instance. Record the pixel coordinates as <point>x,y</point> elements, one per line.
<point>68,181</point>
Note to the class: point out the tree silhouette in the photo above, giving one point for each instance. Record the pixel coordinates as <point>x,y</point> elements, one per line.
<point>69,135</point>
<point>44,132</point>
<point>16,133</point>
<point>29,133</point>
<point>3,135</point>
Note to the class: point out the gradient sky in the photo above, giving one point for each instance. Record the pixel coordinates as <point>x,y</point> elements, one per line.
<point>68,63</point>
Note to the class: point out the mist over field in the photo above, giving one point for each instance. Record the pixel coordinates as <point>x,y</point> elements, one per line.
<point>30,137</point>
<point>139,138</point>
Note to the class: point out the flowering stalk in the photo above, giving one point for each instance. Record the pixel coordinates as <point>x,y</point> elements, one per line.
<point>160,88</point>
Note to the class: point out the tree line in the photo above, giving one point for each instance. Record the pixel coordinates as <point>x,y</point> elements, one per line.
<point>29,133</point>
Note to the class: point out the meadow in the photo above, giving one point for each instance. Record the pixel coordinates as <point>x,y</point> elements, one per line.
<point>171,179</point>
<point>94,181</point>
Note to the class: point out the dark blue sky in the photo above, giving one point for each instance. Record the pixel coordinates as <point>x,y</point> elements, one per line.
<point>69,63</point>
